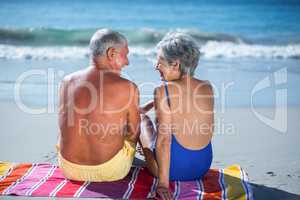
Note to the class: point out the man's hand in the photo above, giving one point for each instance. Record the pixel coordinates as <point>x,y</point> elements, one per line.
<point>164,193</point>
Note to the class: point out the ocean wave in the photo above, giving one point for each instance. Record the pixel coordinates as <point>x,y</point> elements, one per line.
<point>210,50</point>
<point>45,53</point>
<point>42,53</point>
<point>81,37</point>
<point>231,50</point>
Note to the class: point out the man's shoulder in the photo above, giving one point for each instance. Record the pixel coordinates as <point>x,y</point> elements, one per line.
<point>127,83</point>
<point>73,76</point>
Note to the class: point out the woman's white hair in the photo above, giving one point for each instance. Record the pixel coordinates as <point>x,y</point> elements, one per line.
<point>104,39</point>
<point>176,45</point>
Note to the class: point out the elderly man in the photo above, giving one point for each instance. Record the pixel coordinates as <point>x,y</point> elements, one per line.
<point>98,114</point>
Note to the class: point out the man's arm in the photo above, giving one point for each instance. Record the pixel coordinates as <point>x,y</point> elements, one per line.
<point>146,107</point>
<point>62,113</point>
<point>133,115</point>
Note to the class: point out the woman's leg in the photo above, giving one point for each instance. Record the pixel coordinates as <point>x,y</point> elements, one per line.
<point>147,141</point>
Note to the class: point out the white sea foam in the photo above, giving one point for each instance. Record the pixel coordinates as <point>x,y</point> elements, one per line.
<point>210,50</point>
<point>232,50</point>
<point>41,53</point>
<point>142,51</point>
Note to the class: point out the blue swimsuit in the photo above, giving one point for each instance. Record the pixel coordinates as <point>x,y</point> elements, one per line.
<point>187,164</point>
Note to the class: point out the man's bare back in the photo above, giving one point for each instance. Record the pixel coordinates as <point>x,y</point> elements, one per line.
<point>98,110</point>
<point>97,133</point>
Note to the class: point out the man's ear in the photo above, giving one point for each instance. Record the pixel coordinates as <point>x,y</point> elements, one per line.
<point>110,53</point>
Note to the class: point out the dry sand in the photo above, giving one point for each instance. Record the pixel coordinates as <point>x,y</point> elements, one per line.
<point>271,158</point>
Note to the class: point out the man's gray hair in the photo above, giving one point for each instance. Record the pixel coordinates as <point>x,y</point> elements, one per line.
<point>104,39</point>
<point>180,46</point>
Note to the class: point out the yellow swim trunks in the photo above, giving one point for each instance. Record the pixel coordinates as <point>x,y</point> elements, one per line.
<point>114,169</point>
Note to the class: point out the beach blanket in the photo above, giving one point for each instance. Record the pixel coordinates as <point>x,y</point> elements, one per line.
<point>46,180</point>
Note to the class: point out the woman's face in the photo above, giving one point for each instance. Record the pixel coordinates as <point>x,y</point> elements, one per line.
<point>168,72</point>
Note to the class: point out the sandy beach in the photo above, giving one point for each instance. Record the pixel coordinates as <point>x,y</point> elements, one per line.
<point>268,156</point>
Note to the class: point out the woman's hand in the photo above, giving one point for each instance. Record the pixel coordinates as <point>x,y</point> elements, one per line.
<point>164,193</point>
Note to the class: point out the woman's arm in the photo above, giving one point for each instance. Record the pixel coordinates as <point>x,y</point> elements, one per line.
<point>163,143</point>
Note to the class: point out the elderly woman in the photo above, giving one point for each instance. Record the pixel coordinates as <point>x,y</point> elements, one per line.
<point>184,114</point>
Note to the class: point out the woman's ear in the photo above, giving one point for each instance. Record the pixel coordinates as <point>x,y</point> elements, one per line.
<point>176,65</point>
<point>110,53</point>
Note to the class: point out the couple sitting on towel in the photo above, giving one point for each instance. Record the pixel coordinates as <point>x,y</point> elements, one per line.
<point>101,122</point>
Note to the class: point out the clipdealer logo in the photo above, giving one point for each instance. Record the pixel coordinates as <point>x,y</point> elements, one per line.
<point>278,81</point>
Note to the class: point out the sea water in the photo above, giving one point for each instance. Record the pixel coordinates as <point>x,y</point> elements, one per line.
<point>245,46</point>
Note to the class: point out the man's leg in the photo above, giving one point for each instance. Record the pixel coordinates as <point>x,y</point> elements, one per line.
<point>147,141</point>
